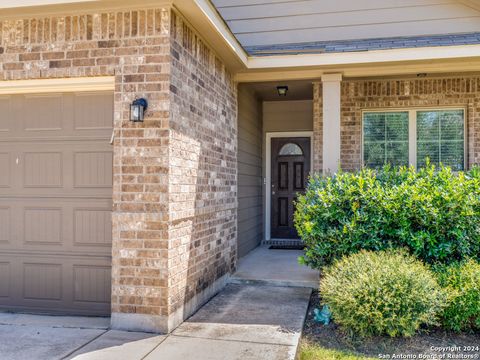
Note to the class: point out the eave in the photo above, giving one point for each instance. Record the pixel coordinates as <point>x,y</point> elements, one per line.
<point>440,59</point>
<point>203,16</point>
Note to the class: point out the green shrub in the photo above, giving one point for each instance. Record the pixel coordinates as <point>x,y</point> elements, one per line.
<point>434,214</point>
<point>461,283</point>
<point>384,292</point>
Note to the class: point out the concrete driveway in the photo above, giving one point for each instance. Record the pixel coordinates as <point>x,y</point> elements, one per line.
<point>64,337</point>
<point>257,317</point>
<point>243,322</point>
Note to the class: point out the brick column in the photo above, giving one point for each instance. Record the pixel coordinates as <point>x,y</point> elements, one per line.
<point>175,201</point>
<point>140,186</point>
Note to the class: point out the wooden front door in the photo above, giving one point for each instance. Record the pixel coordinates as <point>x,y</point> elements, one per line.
<point>290,170</point>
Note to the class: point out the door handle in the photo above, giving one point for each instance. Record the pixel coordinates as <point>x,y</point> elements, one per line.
<point>273,192</point>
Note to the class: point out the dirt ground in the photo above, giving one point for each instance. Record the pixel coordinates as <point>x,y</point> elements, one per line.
<point>428,344</point>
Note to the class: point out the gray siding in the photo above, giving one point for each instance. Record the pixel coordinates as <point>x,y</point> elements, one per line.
<point>270,22</point>
<point>250,214</point>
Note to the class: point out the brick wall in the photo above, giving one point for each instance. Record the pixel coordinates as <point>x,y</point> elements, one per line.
<point>358,95</point>
<point>203,168</point>
<point>174,185</point>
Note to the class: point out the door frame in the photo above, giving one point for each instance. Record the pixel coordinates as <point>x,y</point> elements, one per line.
<point>268,171</point>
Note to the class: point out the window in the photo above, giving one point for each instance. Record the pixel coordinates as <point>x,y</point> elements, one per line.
<point>385,137</point>
<point>290,149</point>
<point>440,138</point>
<point>412,136</point>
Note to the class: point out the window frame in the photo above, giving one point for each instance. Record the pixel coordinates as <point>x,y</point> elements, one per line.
<point>288,143</point>
<point>412,129</point>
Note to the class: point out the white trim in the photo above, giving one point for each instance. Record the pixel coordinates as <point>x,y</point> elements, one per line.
<point>59,8</point>
<point>332,118</point>
<point>412,128</point>
<point>24,3</point>
<point>406,69</point>
<point>412,137</point>
<point>365,57</point>
<point>218,23</point>
<point>335,77</point>
<point>100,83</point>
<point>268,170</point>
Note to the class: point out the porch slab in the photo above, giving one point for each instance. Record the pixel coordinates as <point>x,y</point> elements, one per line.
<point>257,314</point>
<point>263,266</point>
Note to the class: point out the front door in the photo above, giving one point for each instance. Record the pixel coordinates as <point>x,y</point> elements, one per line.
<point>290,170</point>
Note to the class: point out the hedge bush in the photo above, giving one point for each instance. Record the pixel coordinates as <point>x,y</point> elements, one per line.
<point>434,214</point>
<point>461,284</point>
<point>385,292</point>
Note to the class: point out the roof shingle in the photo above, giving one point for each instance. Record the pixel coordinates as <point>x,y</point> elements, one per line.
<point>364,44</point>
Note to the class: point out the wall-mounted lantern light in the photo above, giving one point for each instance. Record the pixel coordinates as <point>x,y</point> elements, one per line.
<point>137,110</point>
<point>282,90</point>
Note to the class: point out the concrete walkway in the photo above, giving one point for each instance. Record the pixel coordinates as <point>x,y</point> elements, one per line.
<point>263,266</point>
<point>250,319</point>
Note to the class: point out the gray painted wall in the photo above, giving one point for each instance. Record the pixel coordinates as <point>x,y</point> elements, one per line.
<point>294,115</point>
<point>250,209</point>
<point>283,116</point>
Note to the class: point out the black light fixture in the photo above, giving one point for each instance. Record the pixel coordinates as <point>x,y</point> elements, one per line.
<point>137,110</point>
<point>282,90</point>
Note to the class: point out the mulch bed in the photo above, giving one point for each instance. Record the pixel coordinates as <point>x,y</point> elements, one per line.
<point>332,337</point>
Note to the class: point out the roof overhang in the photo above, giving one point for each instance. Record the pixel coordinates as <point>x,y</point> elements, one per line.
<point>203,16</point>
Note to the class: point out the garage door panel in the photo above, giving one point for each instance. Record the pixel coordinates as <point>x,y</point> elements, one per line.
<point>56,202</point>
<point>92,111</point>
<point>51,116</point>
<point>5,273</point>
<point>43,169</point>
<point>5,227</point>
<point>92,227</point>
<point>56,284</point>
<point>83,168</point>
<point>93,169</point>
<point>42,281</point>
<point>5,173</point>
<point>43,225</point>
<point>7,115</point>
<point>92,284</point>
<point>43,112</point>
<point>56,224</point>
